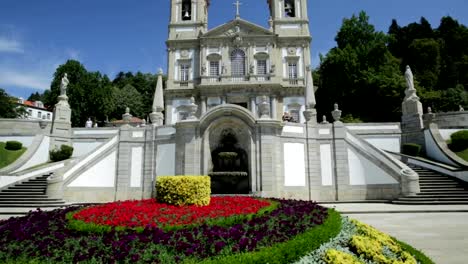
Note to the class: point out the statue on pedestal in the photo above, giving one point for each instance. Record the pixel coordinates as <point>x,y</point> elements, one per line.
<point>64,85</point>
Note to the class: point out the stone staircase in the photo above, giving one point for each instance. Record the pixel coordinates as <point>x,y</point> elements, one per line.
<point>436,188</point>
<point>27,194</point>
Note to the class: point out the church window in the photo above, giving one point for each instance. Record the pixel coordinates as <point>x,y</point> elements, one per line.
<point>186,10</point>
<point>184,72</point>
<point>39,115</point>
<point>289,8</point>
<point>214,68</point>
<point>238,63</point>
<point>261,67</point>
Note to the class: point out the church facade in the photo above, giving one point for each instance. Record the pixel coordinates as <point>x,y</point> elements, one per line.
<point>239,106</point>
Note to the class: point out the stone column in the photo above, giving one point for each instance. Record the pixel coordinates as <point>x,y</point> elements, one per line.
<point>203,105</point>
<point>253,106</point>
<point>274,114</point>
<point>168,112</point>
<point>61,130</point>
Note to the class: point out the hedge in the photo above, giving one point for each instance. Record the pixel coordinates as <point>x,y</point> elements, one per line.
<point>411,149</point>
<point>13,145</point>
<point>183,190</point>
<point>65,152</point>
<point>459,141</point>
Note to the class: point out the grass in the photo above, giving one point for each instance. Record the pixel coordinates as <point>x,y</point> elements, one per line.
<point>463,154</point>
<point>7,157</point>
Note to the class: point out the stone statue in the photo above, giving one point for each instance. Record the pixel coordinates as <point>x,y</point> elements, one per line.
<point>336,113</point>
<point>461,109</point>
<point>272,68</point>
<point>409,78</point>
<point>89,123</point>
<point>252,68</point>
<point>127,110</point>
<point>64,85</point>
<point>203,70</point>
<point>324,120</point>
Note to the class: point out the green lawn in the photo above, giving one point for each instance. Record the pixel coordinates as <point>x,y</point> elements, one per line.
<point>463,154</point>
<point>7,157</point>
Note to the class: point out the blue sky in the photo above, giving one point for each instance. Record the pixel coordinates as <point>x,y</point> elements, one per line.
<point>125,35</point>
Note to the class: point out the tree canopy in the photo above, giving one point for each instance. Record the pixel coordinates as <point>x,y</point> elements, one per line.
<point>364,72</point>
<point>8,106</point>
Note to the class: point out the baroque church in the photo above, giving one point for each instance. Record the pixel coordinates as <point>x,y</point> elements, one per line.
<point>239,106</point>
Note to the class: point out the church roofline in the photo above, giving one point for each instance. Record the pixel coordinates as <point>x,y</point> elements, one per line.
<point>237,21</point>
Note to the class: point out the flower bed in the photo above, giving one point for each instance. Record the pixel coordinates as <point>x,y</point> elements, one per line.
<point>284,234</point>
<point>150,212</point>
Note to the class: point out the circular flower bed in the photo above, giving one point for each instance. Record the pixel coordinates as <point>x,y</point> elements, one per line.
<point>231,230</point>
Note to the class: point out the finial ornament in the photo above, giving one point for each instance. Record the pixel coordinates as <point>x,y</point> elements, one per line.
<point>237,4</point>
<point>336,113</point>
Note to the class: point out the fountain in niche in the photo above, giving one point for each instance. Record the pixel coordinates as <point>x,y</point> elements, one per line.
<point>230,166</point>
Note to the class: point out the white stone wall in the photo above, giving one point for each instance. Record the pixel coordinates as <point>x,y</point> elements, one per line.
<point>294,164</point>
<point>364,172</point>
<point>101,174</point>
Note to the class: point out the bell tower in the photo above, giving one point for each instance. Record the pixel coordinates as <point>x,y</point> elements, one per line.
<point>188,18</point>
<point>289,17</point>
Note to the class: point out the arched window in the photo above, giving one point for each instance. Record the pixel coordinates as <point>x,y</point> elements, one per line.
<point>186,10</point>
<point>238,63</point>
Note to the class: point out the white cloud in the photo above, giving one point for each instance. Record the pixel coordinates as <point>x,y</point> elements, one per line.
<point>10,46</point>
<point>24,79</point>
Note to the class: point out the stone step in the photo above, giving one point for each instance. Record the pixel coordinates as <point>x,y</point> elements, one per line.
<point>431,198</point>
<point>443,190</point>
<point>19,196</point>
<point>30,202</point>
<point>26,188</point>
<point>20,193</point>
<point>441,186</point>
<point>443,195</point>
<point>35,206</point>
<point>428,202</point>
<point>25,199</point>
<point>435,181</point>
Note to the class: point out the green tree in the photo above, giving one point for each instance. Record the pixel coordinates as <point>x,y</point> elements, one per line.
<point>425,60</point>
<point>8,106</point>
<point>90,93</point>
<point>36,97</point>
<point>129,97</point>
<point>361,74</point>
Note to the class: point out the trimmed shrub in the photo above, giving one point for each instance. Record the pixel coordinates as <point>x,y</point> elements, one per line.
<point>411,149</point>
<point>65,152</point>
<point>459,141</point>
<point>13,145</point>
<point>183,190</point>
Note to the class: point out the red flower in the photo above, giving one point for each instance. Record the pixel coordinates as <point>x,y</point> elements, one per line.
<point>150,212</point>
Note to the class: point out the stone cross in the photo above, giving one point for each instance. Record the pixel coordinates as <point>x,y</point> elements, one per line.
<point>237,4</point>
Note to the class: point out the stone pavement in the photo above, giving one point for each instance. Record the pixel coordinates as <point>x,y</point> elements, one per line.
<point>440,231</point>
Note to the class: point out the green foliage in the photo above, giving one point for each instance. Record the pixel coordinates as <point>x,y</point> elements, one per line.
<point>7,157</point>
<point>128,96</point>
<point>36,97</point>
<point>463,154</point>
<point>65,152</point>
<point>183,190</point>
<point>90,93</point>
<point>366,69</point>
<point>8,106</point>
<point>411,149</point>
<point>286,252</point>
<point>459,141</point>
<point>348,118</point>
<point>13,145</point>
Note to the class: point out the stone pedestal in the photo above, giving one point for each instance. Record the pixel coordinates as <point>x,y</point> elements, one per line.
<point>61,125</point>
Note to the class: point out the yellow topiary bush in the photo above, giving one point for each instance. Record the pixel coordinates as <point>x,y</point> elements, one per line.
<point>333,256</point>
<point>183,190</point>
